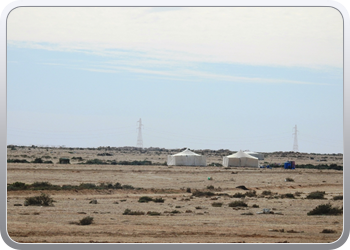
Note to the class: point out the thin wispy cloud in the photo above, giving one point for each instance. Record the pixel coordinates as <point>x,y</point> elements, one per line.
<point>305,37</point>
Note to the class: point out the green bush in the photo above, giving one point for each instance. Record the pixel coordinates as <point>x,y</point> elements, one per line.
<point>237,204</point>
<point>86,220</point>
<point>326,209</point>
<point>17,186</point>
<point>42,200</point>
<point>316,195</point>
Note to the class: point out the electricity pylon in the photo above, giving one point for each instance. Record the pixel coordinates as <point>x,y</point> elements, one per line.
<point>295,145</point>
<point>139,136</point>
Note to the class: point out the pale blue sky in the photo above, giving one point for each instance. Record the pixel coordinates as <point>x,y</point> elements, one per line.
<point>199,78</point>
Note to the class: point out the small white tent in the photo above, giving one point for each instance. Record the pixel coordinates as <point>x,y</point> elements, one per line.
<point>240,159</point>
<point>260,156</point>
<point>186,158</point>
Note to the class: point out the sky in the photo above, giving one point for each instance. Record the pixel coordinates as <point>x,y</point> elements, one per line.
<point>198,77</point>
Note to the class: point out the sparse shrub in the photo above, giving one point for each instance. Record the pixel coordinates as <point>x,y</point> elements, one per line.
<point>326,209</point>
<point>338,197</point>
<point>95,161</point>
<point>152,213</point>
<point>38,160</point>
<point>248,213</point>
<point>316,195</point>
<point>250,193</point>
<point>41,200</point>
<point>188,190</point>
<point>238,195</point>
<point>17,161</point>
<point>158,200</point>
<point>118,186</point>
<point>86,220</point>
<point>129,212</point>
<point>211,187</point>
<point>127,187</point>
<point>288,195</point>
<point>266,192</point>
<point>298,193</point>
<point>237,204</point>
<point>43,184</point>
<point>198,193</point>
<point>328,231</point>
<point>288,179</point>
<point>255,205</point>
<point>216,204</point>
<point>175,212</point>
<point>144,199</point>
<point>87,186</point>
<point>93,202</point>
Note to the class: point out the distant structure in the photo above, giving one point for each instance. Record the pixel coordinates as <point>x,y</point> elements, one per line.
<point>295,145</point>
<point>139,143</point>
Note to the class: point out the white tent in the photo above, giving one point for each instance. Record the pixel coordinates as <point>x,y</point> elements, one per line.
<point>186,158</point>
<point>260,156</point>
<point>240,159</point>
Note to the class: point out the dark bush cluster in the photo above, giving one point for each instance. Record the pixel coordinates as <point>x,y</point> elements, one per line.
<point>316,195</point>
<point>41,200</point>
<point>48,186</point>
<point>326,209</point>
<point>237,204</point>
<point>288,195</point>
<point>146,199</point>
<point>198,193</point>
<point>86,220</point>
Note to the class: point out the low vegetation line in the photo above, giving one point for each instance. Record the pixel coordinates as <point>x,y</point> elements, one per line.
<point>48,186</point>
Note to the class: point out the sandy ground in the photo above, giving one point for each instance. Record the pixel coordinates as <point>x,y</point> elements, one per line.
<point>198,220</point>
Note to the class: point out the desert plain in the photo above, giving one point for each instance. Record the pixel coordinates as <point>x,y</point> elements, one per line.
<point>183,217</point>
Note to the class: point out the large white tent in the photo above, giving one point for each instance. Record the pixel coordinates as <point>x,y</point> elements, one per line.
<point>186,158</point>
<point>260,156</point>
<point>240,159</point>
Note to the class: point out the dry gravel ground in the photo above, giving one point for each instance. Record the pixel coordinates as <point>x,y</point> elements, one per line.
<point>207,224</point>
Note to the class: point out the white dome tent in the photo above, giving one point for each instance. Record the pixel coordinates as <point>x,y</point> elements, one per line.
<point>260,156</point>
<point>240,159</point>
<point>186,158</point>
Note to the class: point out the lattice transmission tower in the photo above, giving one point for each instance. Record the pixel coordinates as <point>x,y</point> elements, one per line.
<point>295,145</point>
<point>139,136</point>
